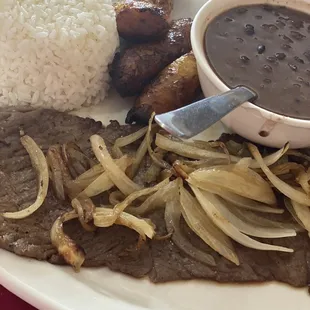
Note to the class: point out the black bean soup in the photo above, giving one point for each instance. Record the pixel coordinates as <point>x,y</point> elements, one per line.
<point>268,49</point>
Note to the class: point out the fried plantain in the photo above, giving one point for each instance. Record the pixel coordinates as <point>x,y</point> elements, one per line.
<point>176,86</point>
<point>134,67</point>
<point>143,20</point>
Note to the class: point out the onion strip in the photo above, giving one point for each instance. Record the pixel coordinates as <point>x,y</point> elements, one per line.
<point>286,168</point>
<point>103,182</point>
<point>298,154</point>
<point>124,141</point>
<point>149,138</point>
<point>272,158</point>
<point>250,229</point>
<point>243,202</point>
<point>39,163</point>
<point>154,170</point>
<point>92,183</point>
<point>67,248</point>
<point>210,203</point>
<point>202,226</point>
<point>157,200</point>
<point>283,187</point>
<point>188,151</point>
<point>91,174</point>
<point>244,183</point>
<point>303,180</point>
<point>75,187</point>
<point>142,227</point>
<point>204,163</point>
<point>118,177</point>
<point>143,192</point>
<point>120,207</point>
<point>193,152</point>
<point>85,209</point>
<point>140,154</point>
<point>303,213</point>
<point>256,219</point>
<point>289,206</point>
<point>56,176</point>
<point>172,219</point>
<point>76,161</point>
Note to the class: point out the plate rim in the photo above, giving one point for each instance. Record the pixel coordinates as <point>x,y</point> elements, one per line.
<point>26,292</point>
<point>41,298</point>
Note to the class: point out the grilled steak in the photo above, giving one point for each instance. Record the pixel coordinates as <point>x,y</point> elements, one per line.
<point>115,247</point>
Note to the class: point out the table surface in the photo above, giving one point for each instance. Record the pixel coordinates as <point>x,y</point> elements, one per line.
<point>9,301</point>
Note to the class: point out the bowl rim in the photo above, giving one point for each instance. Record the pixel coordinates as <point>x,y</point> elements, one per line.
<point>203,19</point>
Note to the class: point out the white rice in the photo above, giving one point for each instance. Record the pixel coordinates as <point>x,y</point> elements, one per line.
<point>55,53</point>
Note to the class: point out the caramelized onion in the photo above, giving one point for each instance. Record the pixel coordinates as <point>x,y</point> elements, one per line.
<point>298,154</point>
<point>179,165</point>
<point>272,158</point>
<point>188,151</point>
<point>291,210</point>
<point>118,177</point>
<point>154,170</point>
<point>283,187</point>
<point>204,163</point>
<point>56,176</point>
<point>303,214</point>
<point>39,163</point>
<point>243,164</point>
<point>85,209</point>
<point>149,138</point>
<point>193,152</point>
<point>286,168</point>
<point>120,207</point>
<point>202,226</point>
<point>90,175</point>
<point>157,200</point>
<point>209,145</point>
<point>245,183</point>
<point>124,141</point>
<point>75,159</point>
<point>71,252</point>
<point>143,227</point>
<point>253,229</point>
<point>212,205</point>
<point>243,202</point>
<point>259,220</point>
<point>103,182</point>
<point>60,175</point>
<point>221,189</point>
<point>140,154</point>
<point>303,179</point>
<point>172,219</point>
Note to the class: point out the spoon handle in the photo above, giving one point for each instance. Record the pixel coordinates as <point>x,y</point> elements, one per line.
<point>191,120</point>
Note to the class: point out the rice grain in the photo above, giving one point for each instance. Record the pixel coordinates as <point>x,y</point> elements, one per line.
<point>55,53</point>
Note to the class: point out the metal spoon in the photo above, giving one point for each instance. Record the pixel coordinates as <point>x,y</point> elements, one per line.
<point>191,120</point>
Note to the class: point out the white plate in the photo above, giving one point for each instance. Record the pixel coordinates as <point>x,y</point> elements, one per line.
<point>49,287</point>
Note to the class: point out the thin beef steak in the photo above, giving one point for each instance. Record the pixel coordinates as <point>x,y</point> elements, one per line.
<point>115,247</point>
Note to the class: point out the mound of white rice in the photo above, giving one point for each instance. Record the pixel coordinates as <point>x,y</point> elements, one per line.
<point>55,53</point>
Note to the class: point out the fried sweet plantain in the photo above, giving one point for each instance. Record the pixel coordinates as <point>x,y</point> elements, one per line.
<point>143,20</point>
<point>176,86</point>
<point>134,67</point>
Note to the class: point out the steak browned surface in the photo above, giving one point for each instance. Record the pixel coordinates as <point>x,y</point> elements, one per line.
<point>115,247</point>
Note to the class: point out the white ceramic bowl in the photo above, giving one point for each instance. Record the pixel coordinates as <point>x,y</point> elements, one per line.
<point>249,120</point>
